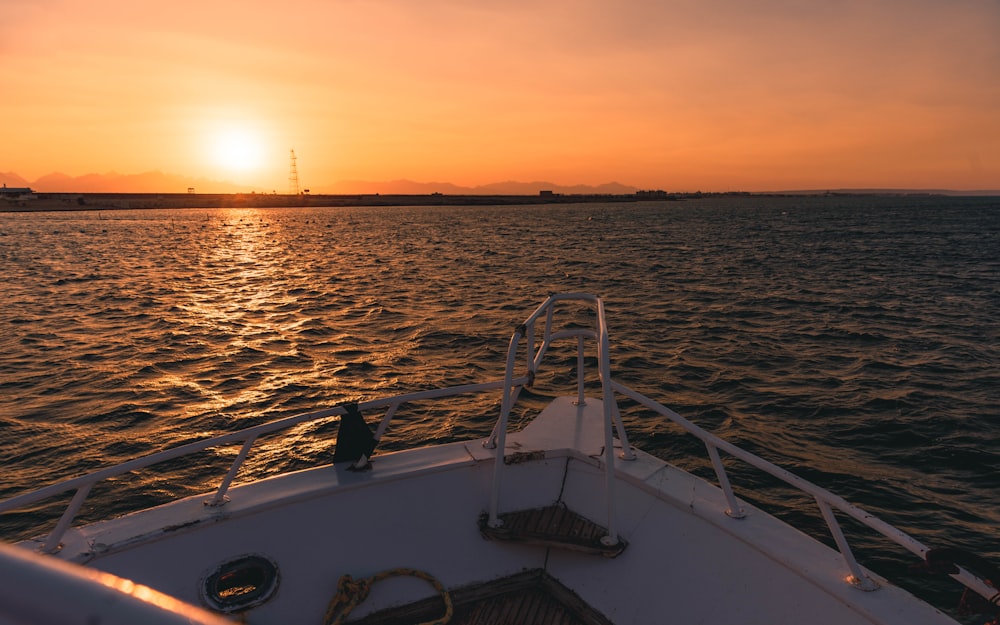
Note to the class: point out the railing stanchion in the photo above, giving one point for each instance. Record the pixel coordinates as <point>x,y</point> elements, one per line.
<point>52,542</point>
<point>608,400</point>
<point>529,346</point>
<point>501,429</point>
<point>857,578</point>
<point>384,424</point>
<point>627,453</point>
<point>580,399</point>
<point>734,511</point>
<point>220,495</point>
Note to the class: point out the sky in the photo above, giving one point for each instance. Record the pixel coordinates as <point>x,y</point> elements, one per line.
<point>681,95</point>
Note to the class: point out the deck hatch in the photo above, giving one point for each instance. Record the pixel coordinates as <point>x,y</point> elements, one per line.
<point>552,526</point>
<point>532,597</point>
<point>239,584</point>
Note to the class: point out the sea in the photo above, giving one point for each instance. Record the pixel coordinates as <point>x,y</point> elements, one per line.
<point>852,339</point>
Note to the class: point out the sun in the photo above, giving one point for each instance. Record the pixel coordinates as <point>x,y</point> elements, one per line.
<point>237,149</point>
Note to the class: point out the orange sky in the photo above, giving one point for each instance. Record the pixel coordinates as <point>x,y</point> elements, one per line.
<point>680,95</point>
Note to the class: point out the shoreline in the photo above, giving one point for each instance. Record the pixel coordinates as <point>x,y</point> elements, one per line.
<point>42,202</point>
<point>39,202</point>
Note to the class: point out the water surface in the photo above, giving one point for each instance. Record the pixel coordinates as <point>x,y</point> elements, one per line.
<point>851,339</point>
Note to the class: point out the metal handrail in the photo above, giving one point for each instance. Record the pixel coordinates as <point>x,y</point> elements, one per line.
<point>612,416</point>
<point>825,500</point>
<point>246,437</point>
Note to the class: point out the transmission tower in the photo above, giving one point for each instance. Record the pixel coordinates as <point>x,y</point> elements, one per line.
<point>293,176</point>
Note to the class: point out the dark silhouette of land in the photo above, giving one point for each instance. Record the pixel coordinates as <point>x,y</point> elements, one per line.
<point>105,201</point>
<point>34,201</point>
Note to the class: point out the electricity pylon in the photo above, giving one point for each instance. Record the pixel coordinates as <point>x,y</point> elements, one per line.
<point>293,176</point>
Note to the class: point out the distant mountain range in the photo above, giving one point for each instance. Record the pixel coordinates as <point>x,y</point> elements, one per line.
<point>510,187</point>
<point>159,182</point>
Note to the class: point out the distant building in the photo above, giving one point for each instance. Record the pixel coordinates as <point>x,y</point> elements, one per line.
<point>656,194</point>
<point>16,193</point>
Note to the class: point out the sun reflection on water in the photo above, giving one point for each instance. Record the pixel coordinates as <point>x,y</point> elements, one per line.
<point>237,299</point>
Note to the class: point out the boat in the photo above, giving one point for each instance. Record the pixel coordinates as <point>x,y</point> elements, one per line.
<point>554,517</point>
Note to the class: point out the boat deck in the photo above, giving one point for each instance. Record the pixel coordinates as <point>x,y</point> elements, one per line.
<point>530,598</point>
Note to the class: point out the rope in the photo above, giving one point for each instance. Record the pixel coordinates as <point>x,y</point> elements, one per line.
<point>352,592</point>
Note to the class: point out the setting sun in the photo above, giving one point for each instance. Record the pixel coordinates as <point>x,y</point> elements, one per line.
<point>237,149</point>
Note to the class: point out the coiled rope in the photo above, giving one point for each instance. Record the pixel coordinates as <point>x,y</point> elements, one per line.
<point>352,592</point>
